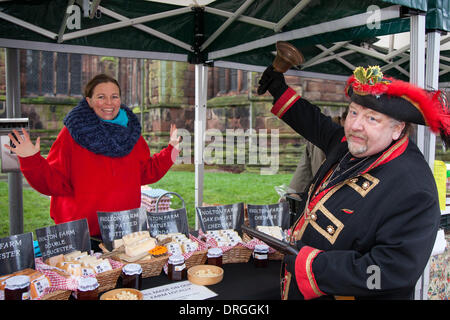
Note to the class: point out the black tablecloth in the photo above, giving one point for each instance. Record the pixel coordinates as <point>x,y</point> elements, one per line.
<point>241,281</point>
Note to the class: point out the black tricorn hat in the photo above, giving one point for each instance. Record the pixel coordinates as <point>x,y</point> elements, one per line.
<point>400,100</point>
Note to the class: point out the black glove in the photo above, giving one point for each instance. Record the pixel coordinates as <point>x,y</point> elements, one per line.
<point>289,259</point>
<point>273,81</point>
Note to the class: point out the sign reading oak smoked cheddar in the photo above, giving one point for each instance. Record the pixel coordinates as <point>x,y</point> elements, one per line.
<point>229,216</point>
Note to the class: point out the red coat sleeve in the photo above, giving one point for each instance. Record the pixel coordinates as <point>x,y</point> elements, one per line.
<point>156,166</point>
<point>50,176</point>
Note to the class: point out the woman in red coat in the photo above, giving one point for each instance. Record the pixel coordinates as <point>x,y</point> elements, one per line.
<point>99,160</point>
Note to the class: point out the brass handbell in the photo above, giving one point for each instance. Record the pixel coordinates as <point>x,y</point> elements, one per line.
<point>287,57</point>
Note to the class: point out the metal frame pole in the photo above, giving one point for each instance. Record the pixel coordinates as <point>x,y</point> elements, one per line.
<point>13,110</point>
<point>201,89</point>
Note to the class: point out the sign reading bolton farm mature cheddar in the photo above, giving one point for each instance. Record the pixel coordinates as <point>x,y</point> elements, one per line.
<point>64,238</point>
<point>115,225</point>
<point>269,215</point>
<point>229,216</point>
<point>174,221</point>
<point>16,253</point>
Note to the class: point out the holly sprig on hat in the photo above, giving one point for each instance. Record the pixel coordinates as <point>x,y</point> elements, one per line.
<point>370,75</point>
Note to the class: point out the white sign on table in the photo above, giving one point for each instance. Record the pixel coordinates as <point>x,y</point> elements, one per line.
<point>183,290</point>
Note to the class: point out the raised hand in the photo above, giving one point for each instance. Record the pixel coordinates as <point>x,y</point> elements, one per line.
<point>174,138</point>
<point>23,145</point>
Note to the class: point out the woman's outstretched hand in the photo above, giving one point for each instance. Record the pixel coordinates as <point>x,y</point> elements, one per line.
<point>23,145</point>
<point>174,139</point>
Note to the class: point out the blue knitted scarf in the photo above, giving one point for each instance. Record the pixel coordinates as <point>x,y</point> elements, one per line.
<point>101,137</point>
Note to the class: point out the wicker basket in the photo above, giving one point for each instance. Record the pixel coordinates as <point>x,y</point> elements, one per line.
<point>237,254</point>
<point>198,257</point>
<point>150,267</point>
<point>107,280</point>
<point>57,295</point>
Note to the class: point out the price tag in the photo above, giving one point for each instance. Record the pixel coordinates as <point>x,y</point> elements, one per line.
<point>174,221</point>
<point>16,253</point>
<point>221,217</point>
<point>64,238</point>
<point>269,215</point>
<point>115,225</point>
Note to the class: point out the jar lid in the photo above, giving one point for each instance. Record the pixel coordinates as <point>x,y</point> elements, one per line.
<point>214,252</point>
<point>176,259</point>
<point>17,282</point>
<point>262,248</point>
<point>87,284</point>
<point>132,269</point>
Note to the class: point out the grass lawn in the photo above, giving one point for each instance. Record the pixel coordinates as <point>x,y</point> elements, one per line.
<point>219,187</point>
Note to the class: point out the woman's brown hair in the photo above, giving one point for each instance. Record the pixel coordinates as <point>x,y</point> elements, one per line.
<point>100,78</point>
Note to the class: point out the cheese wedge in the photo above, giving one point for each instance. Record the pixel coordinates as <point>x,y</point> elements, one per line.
<point>138,247</point>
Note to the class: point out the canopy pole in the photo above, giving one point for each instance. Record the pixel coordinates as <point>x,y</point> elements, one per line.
<point>417,63</point>
<point>201,89</point>
<point>13,110</point>
<point>432,83</point>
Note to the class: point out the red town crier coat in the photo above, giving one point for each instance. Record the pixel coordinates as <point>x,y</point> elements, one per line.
<point>378,222</point>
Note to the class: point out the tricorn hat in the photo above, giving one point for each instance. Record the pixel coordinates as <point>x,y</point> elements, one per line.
<point>399,99</point>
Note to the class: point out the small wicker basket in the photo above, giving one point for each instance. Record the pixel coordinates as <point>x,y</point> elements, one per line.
<point>237,254</point>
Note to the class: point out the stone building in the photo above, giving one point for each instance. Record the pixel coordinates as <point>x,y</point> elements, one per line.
<point>161,93</point>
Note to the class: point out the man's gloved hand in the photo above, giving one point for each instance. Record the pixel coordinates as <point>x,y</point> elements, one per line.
<point>289,259</point>
<point>273,81</point>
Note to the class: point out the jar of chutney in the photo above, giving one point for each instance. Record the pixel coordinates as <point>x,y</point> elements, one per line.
<point>17,288</point>
<point>214,256</point>
<point>261,255</point>
<point>131,276</point>
<point>87,289</point>
<point>176,268</point>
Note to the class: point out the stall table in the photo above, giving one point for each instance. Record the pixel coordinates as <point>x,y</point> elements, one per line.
<point>241,281</point>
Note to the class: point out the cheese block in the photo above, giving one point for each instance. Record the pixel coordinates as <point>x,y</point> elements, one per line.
<point>101,265</point>
<point>138,247</point>
<point>53,261</point>
<point>117,243</point>
<point>189,246</point>
<point>72,255</point>
<point>135,236</point>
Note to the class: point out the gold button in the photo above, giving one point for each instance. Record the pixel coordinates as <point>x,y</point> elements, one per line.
<point>365,185</point>
<point>313,217</point>
<point>330,230</point>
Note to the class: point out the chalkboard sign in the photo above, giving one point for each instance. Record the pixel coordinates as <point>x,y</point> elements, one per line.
<point>16,253</point>
<point>115,225</point>
<point>64,238</point>
<point>269,215</point>
<point>174,221</point>
<point>229,216</point>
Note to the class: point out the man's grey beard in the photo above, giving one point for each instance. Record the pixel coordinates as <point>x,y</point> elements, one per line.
<point>356,150</point>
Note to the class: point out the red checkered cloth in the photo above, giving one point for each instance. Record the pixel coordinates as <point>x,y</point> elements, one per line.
<point>57,281</point>
<point>212,243</point>
<point>60,282</point>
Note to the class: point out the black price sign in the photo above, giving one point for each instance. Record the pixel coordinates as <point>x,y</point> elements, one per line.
<point>229,216</point>
<point>64,238</point>
<point>16,253</point>
<point>115,225</point>
<point>269,215</point>
<point>174,221</point>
